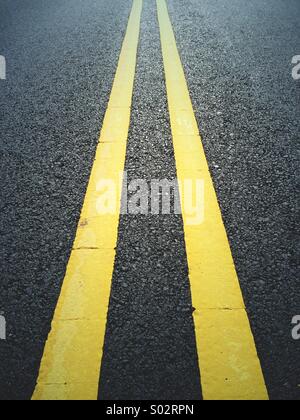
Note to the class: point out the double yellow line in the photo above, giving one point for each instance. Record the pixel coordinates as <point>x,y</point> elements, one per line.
<point>229,365</point>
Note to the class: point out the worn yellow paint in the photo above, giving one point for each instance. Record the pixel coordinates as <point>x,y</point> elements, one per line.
<point>230,368</point>
<point>70,366</point>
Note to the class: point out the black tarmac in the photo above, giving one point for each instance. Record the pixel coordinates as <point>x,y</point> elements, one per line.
<point>61,59</point>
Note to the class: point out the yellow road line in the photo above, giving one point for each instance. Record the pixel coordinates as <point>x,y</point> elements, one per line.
<point>230,368</point>
<point>70,367</point>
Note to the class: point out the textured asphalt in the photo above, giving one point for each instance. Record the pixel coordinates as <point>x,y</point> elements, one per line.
<point>61,58</point>
<point>237,57</point>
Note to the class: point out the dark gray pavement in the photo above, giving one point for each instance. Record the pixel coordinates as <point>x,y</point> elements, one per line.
<point>237,58</point>
<point>61,58</point>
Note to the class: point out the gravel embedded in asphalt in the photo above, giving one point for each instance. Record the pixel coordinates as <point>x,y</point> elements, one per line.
<point>237,57</point>
<point>61,58</point>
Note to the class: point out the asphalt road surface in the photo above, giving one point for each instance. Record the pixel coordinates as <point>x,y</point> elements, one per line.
<point>61,60</point>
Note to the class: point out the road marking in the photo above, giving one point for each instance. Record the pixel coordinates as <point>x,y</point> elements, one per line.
<point>230,368</point>
<point>70,367</point>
